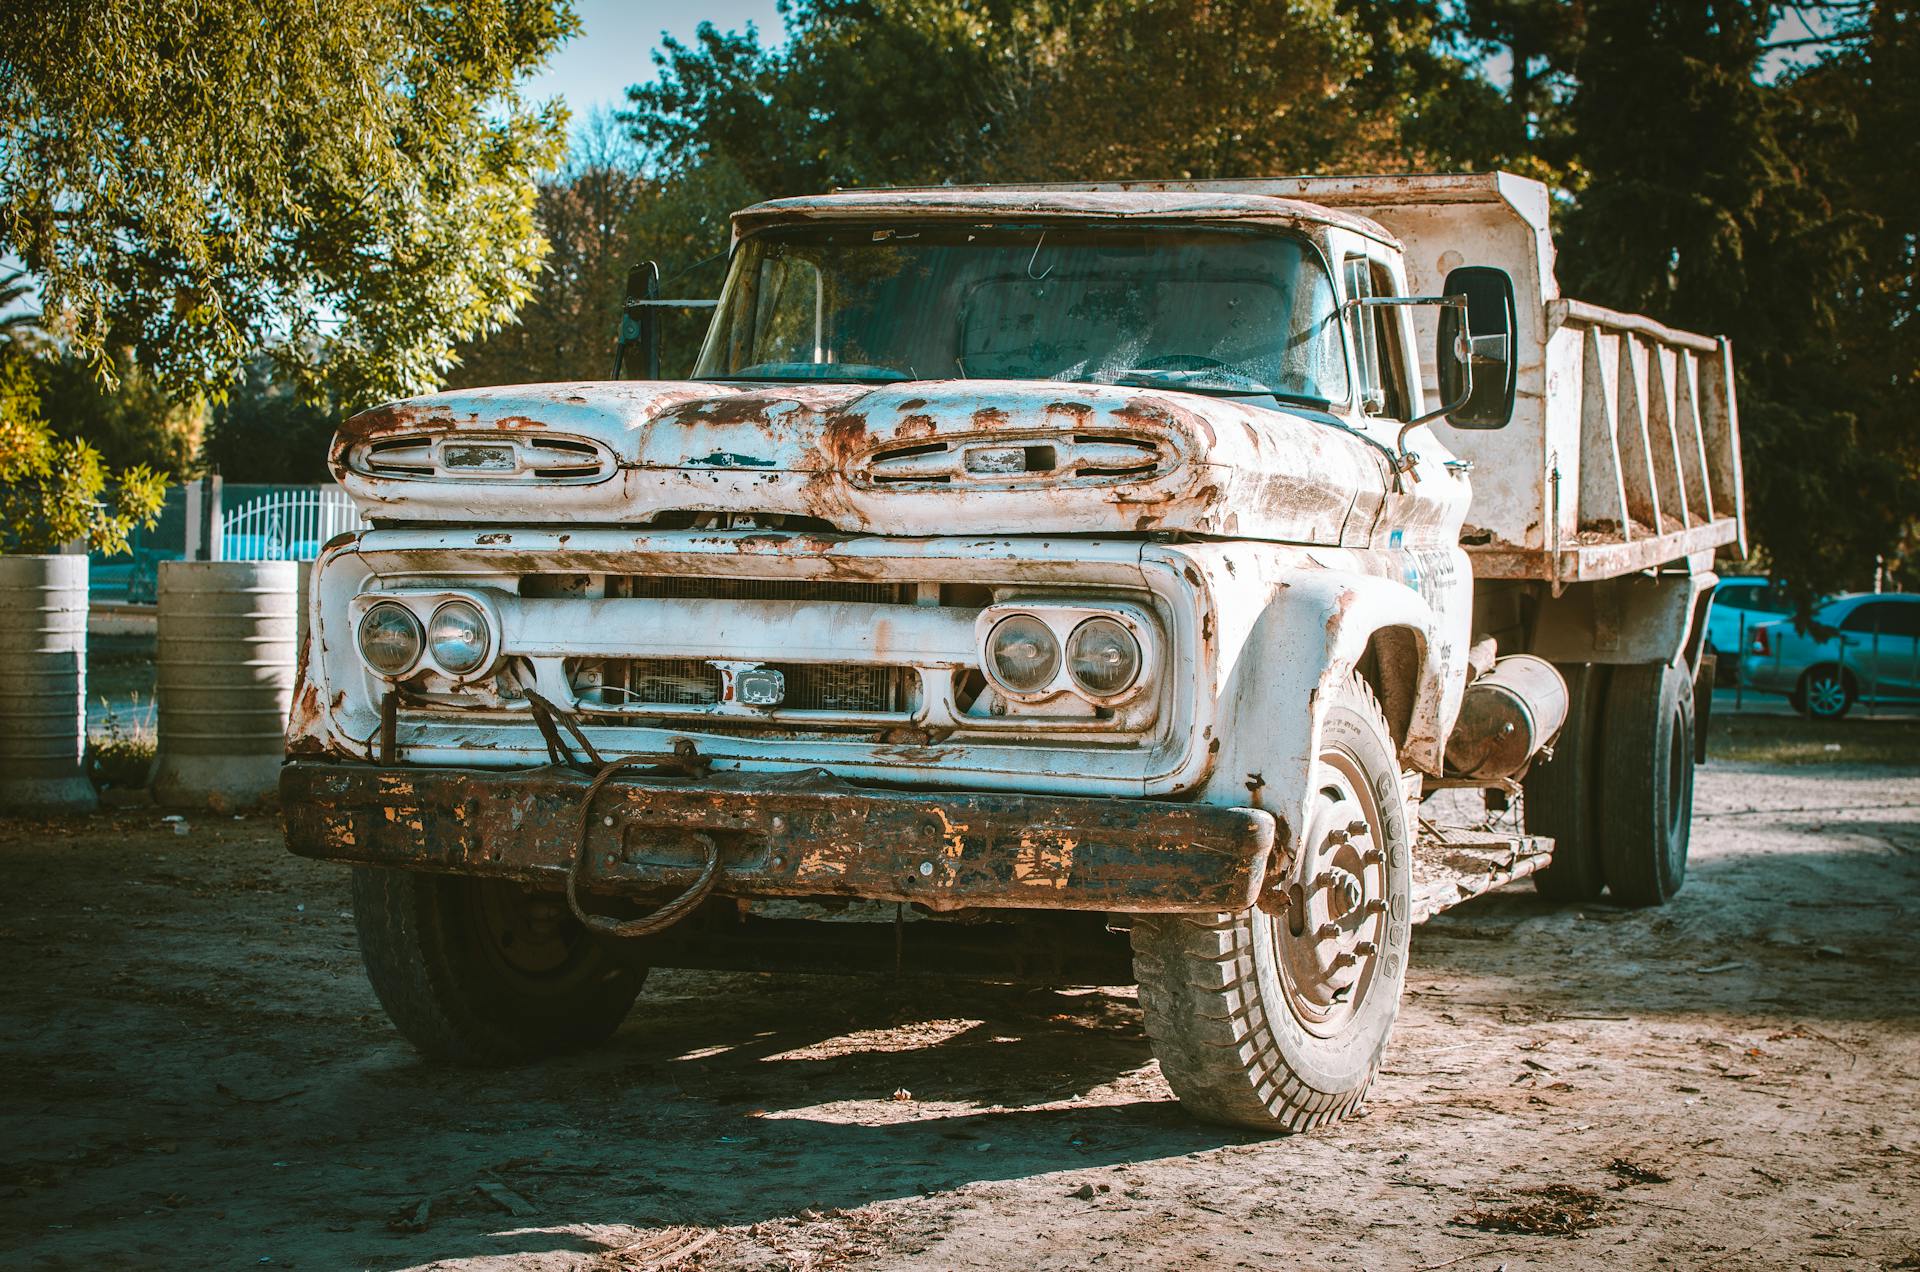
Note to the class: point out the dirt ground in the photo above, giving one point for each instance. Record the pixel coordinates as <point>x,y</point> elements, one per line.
<point>196,1075</point>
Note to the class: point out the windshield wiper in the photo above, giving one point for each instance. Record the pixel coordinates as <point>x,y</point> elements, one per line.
<point>1209,381</point>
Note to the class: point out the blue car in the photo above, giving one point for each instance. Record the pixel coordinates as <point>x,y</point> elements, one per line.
<point>1859,648</point>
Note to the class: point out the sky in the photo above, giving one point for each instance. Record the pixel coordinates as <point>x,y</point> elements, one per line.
<point>617,39</point>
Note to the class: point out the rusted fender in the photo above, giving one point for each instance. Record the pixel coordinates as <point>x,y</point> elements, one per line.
<point>803,836</point>
<point>1290,624</point>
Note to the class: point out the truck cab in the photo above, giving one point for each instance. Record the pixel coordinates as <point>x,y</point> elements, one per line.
<point>1083,584</point>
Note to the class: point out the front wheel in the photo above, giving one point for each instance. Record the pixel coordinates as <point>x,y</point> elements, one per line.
<point>482,971</point>
<point>1278,1021</point>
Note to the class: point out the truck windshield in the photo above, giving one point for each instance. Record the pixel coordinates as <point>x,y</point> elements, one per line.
<point>1226,311</point>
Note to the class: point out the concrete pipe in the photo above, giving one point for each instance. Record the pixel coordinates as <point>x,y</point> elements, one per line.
<point>43,684</point>
<point>225,680</point>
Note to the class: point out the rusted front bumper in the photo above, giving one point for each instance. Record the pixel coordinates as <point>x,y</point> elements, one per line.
<point>807,835</point>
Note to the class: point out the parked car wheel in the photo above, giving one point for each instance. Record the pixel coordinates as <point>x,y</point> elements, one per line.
<point>1278,1021</point>
<point>1558,794</point>
<point>1824,693</point>
<point>1646,806</point>
<point>481,971</point>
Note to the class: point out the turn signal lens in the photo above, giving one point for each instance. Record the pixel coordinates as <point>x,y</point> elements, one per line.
<point>458,637</point>
<point>1103,657</point>
<point>1022,654</point>
<point>390,638</point>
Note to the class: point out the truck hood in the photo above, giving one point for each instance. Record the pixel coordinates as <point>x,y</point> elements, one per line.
<point>917,458</point>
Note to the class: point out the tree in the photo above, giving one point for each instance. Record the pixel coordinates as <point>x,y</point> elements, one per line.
<point>130,423</point>
<point>347,185</point>
<point>586,211</point>
<point>49,488</point>
<point>265,431</point>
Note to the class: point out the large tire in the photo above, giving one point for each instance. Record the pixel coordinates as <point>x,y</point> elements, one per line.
<point>1558,794</point>
<point>1257,1019</point>
<point>1646,812</point>
<point>485,972</point>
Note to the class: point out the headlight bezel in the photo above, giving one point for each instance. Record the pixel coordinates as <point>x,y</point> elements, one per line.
<point>368,615</point>
<point>424,607</point>
<point>1063,618</point>
<point>486,643</point>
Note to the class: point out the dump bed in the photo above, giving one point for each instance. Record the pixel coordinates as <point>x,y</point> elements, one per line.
<point>1624,449</point>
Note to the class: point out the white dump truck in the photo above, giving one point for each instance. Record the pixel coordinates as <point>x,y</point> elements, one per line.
<point>1195,584</point>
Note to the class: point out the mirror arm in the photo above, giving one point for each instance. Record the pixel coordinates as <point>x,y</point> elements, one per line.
<point>1403,461</point>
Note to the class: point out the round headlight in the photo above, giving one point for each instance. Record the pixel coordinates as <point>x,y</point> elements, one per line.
<point>1022,653</point>
<point>390,638</point>
<point>458,637</point>
<point>1103,657</point>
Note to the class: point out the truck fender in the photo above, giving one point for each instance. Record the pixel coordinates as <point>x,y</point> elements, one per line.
<point>1287,632</point>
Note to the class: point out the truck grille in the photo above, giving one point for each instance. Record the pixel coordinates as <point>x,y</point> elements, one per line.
<point>681,587</point>
<point>689,682</point>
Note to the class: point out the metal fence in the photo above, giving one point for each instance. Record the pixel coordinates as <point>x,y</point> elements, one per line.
<point>208,520</point>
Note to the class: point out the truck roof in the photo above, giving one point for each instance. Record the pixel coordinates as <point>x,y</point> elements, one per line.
<point>1146,201</point>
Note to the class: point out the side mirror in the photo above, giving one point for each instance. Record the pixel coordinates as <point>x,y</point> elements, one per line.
<point>640,320</point>
<point>1476,360</point>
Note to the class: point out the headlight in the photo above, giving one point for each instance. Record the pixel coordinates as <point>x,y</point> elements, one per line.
<point>1022,654</point>
<point>1103,657</point>
<point>459,637</point>
<point>390,638</point>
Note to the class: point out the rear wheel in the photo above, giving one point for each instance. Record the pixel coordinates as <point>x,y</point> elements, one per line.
<point>1824,693</point>
<point>1558,794</point>
<point>1278,1021</point>
<point>1646,812</point>
<point>482,971</point>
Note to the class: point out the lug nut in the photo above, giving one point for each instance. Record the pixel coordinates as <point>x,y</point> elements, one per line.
<point>1339,836</point>
<point>1324,879</point>
<point>1327,931</point>
<point>1344,959</point>
<point>1365,949</point>
<point>1373,856</point>
<point>1357,828</point>
<point>1376,906</point>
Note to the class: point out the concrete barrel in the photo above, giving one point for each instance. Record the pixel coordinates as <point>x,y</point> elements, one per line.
<point>43,684</point>
<point>224,679</point>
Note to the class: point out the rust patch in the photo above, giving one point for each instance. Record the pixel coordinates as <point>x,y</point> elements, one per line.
<point>389,417</point>
<point>1080,411</point>
<point>844,437</point>
<point>913,404</point>
<point>518,421</point>
<point>741,409</point>
<point>497,536</point>
<point>916,426</point>
<point>989,417</point>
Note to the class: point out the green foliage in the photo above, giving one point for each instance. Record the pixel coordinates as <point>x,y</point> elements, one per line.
<point>131,421</point>
<point>347,185</point>
<point>50,488</point>
<point>266,432</point>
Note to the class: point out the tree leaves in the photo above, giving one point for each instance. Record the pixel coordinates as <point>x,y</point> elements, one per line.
<point>348,185</point>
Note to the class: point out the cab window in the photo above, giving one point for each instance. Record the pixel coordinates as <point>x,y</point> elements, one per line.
<point>1380,359</point>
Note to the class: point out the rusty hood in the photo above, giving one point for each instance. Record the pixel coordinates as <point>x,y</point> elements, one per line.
<point>918,458</point>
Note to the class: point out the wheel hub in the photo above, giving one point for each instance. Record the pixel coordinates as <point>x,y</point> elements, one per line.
<point>1330,932</point>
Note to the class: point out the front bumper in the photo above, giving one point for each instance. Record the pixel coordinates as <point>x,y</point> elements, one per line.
<point>805,835</point>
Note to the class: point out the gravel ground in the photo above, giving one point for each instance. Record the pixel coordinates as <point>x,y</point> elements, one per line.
<point>198,1076</point>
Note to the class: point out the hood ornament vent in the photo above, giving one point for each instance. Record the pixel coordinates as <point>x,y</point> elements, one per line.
<point>994,460</point>
<point>508,458</point>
